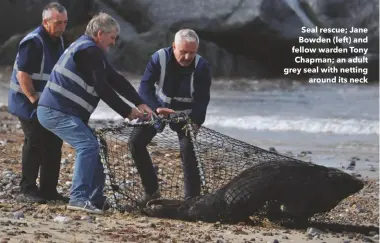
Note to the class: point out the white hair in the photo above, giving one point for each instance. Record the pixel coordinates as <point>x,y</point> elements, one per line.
<point>103,22</point>
<point>47,11</point>
<point>187,35</point>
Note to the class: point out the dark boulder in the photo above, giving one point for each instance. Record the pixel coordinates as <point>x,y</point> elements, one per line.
<point>25,15</point>
<point>256,36</point>
<point>239,38</point>
<point>347,14</point>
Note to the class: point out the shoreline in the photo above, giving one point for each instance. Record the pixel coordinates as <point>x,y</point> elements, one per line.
<point>357,214</point>
<point>362,164</point>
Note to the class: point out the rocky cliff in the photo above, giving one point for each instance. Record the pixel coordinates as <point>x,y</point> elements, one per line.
<point>240,38</point>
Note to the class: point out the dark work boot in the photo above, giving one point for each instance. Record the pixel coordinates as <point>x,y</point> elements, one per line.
<point>147,197</point>
<point>31,197</point>
<point>54,196</point>
<point>104,206</point>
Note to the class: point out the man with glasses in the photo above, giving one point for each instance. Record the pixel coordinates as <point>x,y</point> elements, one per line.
<point>37,54</point>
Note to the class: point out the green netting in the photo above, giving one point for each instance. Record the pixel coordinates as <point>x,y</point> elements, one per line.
<point>220,158</point>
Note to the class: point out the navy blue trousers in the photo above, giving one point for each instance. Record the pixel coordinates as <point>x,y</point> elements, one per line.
<point>141,137</point>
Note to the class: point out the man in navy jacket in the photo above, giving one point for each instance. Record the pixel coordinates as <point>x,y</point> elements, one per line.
<point>80,79</point>
<point>176,80</point>
<point>37,54</point>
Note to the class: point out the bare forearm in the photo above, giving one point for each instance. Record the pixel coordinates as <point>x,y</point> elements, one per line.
<point>27,87</point>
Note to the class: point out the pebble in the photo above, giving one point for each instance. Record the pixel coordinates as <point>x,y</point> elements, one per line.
<point>64,161</point>
<point>3,195</point>
<point>9,181</point>
<point>313,232</point>
<point>18,215</point>
<point>289,154</point>
<point>62,219</point>
<point>88,218</point>
<point>272,149</point>
<point>372,233</point>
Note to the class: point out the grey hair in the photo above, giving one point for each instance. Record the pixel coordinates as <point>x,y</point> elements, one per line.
<point>103,22</point>
<point>188,35</point>
<point>47,11</point>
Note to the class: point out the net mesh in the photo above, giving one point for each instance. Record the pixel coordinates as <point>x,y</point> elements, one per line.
<point>220,158</point>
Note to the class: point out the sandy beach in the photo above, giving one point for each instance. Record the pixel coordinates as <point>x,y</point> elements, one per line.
<point>355,219</point>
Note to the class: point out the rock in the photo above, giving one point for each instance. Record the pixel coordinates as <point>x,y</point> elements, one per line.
<point>62,219</point>
<point>9,49</point>
<point>367,239</point>
<point>351,165</point>
<point>372,233</point>
<point>347,14</point>
<point>313,232</point>
<point>7,174</point>
<point>218,23</point>
<point>18,215</point>
<point>3,195</point>
<point>10,12</point>
<point>3,108</point>
<point>289,154</point>
<point>274,26</point>
<point>227,29</point>
<point>64,161</point>
<point>304,153</point>
<point>273,150</point>
<point>87,218</point>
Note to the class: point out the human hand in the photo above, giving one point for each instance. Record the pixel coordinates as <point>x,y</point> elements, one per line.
<point>165,112</point>
<point>134,114</point>
<point>35,104</point>
<point>147,112</point>
<point>195,128</point>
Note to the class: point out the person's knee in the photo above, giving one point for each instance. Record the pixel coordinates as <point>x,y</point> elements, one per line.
<point>34,142</point>
<point>91,145</point>
<point>55,145</point>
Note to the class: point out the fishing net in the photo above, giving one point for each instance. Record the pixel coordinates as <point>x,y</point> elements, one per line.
<point>220,158</point>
